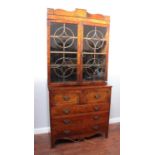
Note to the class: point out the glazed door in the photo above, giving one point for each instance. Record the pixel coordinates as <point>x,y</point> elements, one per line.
<point>94,53</point>
<point>78,52</point>
<point>63,52</point>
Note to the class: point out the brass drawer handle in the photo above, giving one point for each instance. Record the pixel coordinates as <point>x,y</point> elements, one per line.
<point>66,111</point>
<point>67,131</point>
<point>66,98</point>
<point>96,117</point>
<point>66,121</point>
<point>96,127</point>
<point>96,108</point>
<point>97,96</point>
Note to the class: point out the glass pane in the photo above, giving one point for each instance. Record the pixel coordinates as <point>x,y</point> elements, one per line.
<point>94,40</point>
<point>94,58</point>
<point>63,37</point>
<point>94,67</point>
<point>63,52</point>
<point>58,76</point>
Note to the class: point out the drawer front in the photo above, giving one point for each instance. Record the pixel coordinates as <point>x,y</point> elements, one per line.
<point>63,110</point>
<point>78,121</point>
<point>96,96</point>
<point>91,129</point>
<point>65,98</point>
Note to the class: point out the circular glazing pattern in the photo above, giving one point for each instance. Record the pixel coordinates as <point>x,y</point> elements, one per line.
<point>64,37</point>
<point>95,39</point>
<point>64,68</point>
<point>95,68</point>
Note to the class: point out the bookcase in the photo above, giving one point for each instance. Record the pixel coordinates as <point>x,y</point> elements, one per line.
<point>77,52</point>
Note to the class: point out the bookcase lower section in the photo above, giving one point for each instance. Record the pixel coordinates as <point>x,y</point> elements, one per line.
<point>79,113</point>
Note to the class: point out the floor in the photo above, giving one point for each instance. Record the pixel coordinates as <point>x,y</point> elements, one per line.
<point>96,145</point>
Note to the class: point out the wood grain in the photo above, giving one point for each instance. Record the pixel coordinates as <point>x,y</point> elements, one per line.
<point>82,123</point>
<point>63,110</point>
<point>78,109</point>
<point>82,13</point>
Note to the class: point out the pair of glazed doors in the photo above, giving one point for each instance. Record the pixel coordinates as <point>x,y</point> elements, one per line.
<point>78,52</point>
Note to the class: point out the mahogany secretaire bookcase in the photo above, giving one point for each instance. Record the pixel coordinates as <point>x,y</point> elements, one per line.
<point>79,95</point>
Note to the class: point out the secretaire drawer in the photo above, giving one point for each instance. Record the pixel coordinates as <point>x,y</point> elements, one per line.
<point>67,97</point>
<point>96,95</point>
<point>79,109</point>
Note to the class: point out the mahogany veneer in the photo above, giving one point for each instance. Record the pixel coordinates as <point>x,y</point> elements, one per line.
<point>77,73</point>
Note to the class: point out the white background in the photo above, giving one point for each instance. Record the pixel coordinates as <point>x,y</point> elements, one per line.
<point>134,41</point>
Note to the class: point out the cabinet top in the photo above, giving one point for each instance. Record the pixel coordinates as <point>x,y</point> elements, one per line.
<point>80,13</point>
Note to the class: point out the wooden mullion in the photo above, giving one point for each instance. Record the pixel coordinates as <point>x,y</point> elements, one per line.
<point>80,48</point>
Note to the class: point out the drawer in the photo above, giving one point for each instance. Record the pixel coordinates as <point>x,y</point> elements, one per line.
<point>78,121</point>
<point>62,110</point>
<point>96,96</point>
<point>65,98</point>
<point>91,129</point>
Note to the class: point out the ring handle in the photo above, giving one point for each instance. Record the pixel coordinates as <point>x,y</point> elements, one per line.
<point>66,98</point>
<point>66,111</point>
<point>97,96</point>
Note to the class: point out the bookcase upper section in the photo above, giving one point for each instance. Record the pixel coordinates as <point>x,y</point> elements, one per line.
<point>78,45</point>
